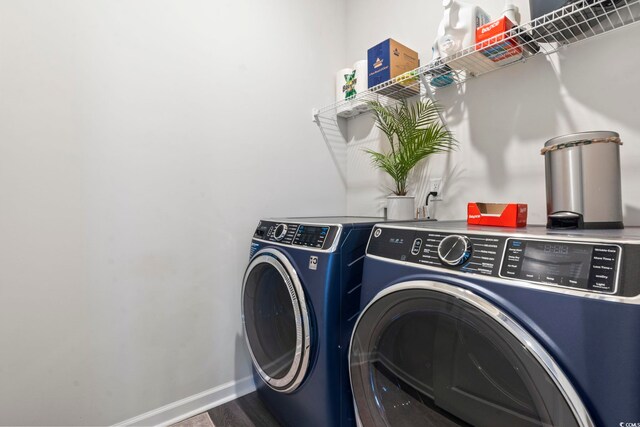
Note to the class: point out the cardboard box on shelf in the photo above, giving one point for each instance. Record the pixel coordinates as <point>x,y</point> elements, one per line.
<point>497,214</point>
<point>501,47</point>
<point>388,60</point>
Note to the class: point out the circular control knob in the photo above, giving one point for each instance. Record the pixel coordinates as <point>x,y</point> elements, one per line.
<point>454,250</point>
<point>280,232</point>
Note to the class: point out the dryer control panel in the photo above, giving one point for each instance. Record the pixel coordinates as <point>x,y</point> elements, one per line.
<point>316,236</point>
<point>577,264</point>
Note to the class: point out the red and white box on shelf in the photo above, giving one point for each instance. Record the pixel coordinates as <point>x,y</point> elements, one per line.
<point>497,214</point>
<point>494,44</point>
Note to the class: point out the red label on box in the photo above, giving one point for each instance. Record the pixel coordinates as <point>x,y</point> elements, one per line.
<point>497,214</point>
<point>492,34</point>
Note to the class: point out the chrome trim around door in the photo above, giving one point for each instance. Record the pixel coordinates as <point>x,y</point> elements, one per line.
<point>298,370</point>
<point>529,342</point>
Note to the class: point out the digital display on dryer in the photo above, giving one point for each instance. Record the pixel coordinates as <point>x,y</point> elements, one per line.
<point>574,265</point>
<point>557,262</point>
<point>311,236</point>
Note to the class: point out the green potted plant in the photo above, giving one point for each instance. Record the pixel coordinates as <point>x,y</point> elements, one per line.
<point>414,132</point>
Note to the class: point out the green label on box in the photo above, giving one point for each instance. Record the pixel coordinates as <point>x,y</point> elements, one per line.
<point>349,88</point>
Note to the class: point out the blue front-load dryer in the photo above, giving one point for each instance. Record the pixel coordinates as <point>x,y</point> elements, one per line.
<point>480,326</point>
<point>300,300</point>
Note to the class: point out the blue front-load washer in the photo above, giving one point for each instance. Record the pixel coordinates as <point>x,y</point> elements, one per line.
<point>300,300</point>
<point>482,326</point>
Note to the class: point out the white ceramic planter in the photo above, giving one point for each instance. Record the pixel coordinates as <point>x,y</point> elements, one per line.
<point>401,207</point>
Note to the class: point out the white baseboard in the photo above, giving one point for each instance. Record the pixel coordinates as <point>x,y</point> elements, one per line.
<point>192,405</point>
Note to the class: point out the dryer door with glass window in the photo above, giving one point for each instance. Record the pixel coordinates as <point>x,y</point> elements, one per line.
<point>426,353</point>
<point>276,320</point>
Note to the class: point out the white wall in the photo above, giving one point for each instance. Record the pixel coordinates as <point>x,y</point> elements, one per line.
<point>140,142</point>
<point>503,119</point>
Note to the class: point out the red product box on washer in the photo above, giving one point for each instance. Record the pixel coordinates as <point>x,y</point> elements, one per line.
<point>497,214</point>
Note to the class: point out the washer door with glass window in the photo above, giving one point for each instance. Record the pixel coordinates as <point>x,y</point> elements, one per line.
<point>432,354</point>
<point>276,320</point>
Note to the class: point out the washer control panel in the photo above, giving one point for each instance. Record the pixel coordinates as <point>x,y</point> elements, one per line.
<point>315,236</point>
<point>590,266</point>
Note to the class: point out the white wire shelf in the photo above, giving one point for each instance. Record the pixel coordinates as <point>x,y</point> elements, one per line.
<point>573,23</point>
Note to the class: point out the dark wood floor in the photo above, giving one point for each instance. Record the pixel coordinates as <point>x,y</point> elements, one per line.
<point>246,411</point>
